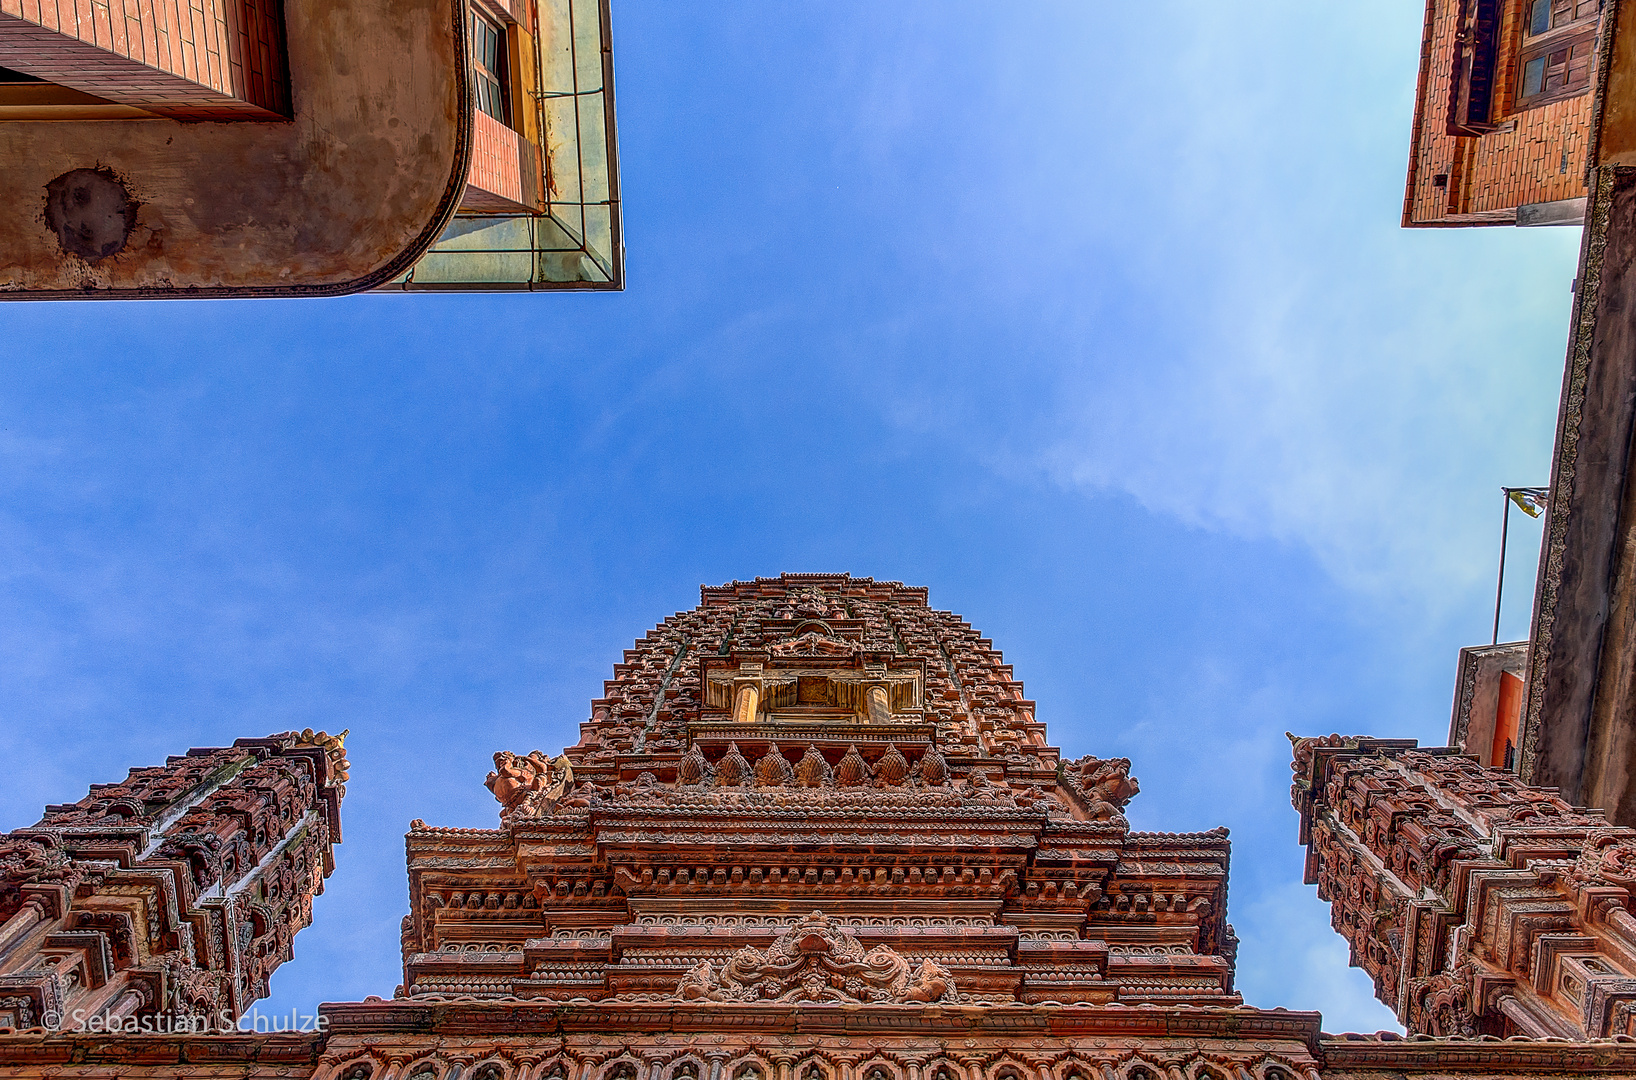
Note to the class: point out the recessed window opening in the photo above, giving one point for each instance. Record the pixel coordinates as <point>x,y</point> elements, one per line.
<point>489,76</point>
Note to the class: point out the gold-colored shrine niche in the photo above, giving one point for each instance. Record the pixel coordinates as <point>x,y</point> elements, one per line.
<point>816,788</point>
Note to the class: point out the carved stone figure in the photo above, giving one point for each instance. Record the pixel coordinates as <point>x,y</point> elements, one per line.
<point>529,786</point>
<point>1106,786</point>
<point>1445,999</point>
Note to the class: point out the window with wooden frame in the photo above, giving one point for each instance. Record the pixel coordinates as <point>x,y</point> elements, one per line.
<point>1474,54</point>
<point>490,77</point>
<point>1558,45</point>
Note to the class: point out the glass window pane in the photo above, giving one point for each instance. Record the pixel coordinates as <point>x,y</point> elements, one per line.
<point>575,242</point>
<point>1539,17</point>
<point>1533,76</point>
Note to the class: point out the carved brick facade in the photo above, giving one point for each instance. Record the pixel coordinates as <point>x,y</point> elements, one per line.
<point>1479,905</point>
<point>816,745</point>
<point>814,831</point>
<point>174,893</point>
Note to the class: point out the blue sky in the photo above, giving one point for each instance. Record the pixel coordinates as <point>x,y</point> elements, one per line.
<point>1097,320</point>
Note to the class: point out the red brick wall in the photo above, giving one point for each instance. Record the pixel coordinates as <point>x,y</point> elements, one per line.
<point>495,180</point>
<point>1490,176</point>
<point>198,59</point>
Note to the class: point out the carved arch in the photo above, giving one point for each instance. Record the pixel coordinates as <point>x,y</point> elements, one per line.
<point>1074,1068</point>
<point>490,1069</point>
<point>1139,1068</point>
<point>425,1069</point>
<point>361,1067</point>
<point>1275,1070</point>
<point>877,1067</point>
<point>942,1068</point>
<point>1007,1066</point>
<point>686,1066</point>
<point>624,1066</point>
<point>557,1067</point>
<point>750,1067</point>
<point>815,1067</point>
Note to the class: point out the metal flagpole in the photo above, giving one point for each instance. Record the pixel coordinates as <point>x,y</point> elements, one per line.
<point>1499,590</point>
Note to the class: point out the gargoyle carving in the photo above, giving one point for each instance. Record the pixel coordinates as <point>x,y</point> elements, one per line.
<point>1445,1001</point>
<point>27,861</point>
<point>528,786</point>
<point>1103,786</point>
<point>818,960</point>
<point>194,992</point>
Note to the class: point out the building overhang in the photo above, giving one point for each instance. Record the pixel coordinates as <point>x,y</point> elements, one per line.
<point>344,195</point>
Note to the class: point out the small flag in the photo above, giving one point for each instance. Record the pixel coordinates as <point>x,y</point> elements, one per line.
<point>1530,501</point>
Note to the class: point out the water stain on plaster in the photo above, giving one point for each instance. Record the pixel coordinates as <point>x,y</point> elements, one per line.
<point>91,212</point>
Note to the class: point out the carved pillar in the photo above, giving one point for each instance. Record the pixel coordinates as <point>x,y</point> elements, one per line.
<point>746,704</point>
<point>127,1003</point>
<point>396,1061</point>
<point>18,927</point>
<point>1530,1018</point>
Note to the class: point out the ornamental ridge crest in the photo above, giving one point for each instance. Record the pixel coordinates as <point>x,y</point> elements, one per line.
<point>817,959</point>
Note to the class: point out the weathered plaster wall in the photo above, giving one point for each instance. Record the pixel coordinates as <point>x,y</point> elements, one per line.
<point>1581,688</point>
<point>343,197</point>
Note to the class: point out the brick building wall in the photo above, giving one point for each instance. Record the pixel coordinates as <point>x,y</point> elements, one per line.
<point>192,59</point>
<point>501,160</point>
<point>1536,155</point>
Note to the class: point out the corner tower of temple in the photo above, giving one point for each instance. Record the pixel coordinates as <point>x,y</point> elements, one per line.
<point>165,902</point>
<point>816,788</point>
<point>1479,905</point>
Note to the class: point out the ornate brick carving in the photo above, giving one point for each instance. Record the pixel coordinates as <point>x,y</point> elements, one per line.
<point>1478,904</point>
<point>193,876</point>
<point>817,960</point>
<point>824,743</point>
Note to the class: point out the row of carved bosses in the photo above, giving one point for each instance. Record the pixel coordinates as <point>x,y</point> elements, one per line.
<point>828,1063</point>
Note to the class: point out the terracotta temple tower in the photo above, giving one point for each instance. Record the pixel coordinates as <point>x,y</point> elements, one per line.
<point>169,897</point>
<point>806,760</point>
<point>813,830</point>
